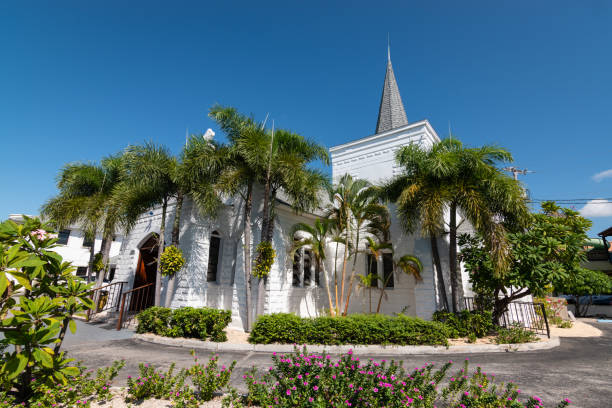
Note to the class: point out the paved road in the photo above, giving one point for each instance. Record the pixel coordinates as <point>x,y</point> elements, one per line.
<point>580,369</point>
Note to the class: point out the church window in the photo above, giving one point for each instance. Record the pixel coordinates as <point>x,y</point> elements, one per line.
<point>297,260</point>
<point>213,257</point>
<point>307,267</point>
<point>62,237</point>
<point>388,277</point>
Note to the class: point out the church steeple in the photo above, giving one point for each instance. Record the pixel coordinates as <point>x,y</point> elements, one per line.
<point>391,114</point>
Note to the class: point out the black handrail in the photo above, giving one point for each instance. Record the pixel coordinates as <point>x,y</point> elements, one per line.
<point>106,297</point>
<point>139,299</point>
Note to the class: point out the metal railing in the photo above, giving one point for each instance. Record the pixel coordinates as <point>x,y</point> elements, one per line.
<point>134,301</point>
<point>529,315</point>
<point>105,297</point>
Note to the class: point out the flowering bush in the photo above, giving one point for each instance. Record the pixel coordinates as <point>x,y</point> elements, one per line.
<point>209,378</point>
<point>553,308</point>
<point>171,261</point>
<point>317,380</point>
<point>152,383</point>
<point>353,329</point>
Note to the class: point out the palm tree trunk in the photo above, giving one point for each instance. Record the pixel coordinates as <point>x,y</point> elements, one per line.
<point>346,249</point>
<point>248,204</point>
<point>329,298</point>
<point>107,242</point>
<point>176,229</point>
<point>92,256</point>
<point>267,231</point>
<point>382,293</point>
<point>438,265</point>
<point>352,278</point>
<point>160,250</point>
<point>336,279</point>
<point>452,257</point>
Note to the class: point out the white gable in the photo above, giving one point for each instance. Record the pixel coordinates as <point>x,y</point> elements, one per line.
<point>373,157</point>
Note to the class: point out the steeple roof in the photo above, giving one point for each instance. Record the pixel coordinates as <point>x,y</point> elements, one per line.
<point>391,114</point>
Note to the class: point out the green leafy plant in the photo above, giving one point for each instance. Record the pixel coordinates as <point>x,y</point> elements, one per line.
<point>466,323</point>
<point>353,329</point>
<point>201,323</point>
<point>265,259</point>
<point>209,378</point>
<point>98,263</point>
<point>303,379</point>
<point>153,383</point>
<point>171,261</point>
<point>37,305</point>
<point>515,334</point>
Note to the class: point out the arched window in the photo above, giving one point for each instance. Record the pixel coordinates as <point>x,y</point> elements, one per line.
<point>214,250</point>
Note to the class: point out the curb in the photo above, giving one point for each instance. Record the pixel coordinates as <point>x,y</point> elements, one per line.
<point>368,350</point>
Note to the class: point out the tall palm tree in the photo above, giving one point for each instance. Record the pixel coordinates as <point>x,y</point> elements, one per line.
<point>454,178</point>
<point>315,237</point>
<point>152,170</point>
<point>238,177</point>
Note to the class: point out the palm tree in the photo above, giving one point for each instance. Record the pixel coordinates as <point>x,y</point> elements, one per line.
<point>408,264</point>
<point>452,177</point>
<point>238,176</point>
<point>152,170</point>
<point>315,238</point>
<point>368,281</point>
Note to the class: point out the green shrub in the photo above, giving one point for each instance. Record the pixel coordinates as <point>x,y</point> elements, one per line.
<point>200,323</point>
<point>466,323</point>
<point>154,320</point>
<point>302,379</point>
<point>353,329</point>
<point>515,334</point>
<point>171,261</point>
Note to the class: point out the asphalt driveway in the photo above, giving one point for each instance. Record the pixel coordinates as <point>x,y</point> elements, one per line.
<point>580,369</point>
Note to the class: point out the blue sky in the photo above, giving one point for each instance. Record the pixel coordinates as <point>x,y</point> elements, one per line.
<point>81,80</point>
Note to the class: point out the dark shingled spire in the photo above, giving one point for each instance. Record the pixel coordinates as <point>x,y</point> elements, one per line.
<point>391,114</point>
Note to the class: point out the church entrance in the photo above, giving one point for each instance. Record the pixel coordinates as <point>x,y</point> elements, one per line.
<point>145,274</point>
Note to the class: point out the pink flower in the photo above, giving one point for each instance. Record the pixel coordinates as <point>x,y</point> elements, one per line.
<point>288,392</point>
<point>316,388</point>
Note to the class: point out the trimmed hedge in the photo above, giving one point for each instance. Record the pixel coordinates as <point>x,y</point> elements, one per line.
<point>353,329</point>
<point>203,323</point>
<point>466,323</point>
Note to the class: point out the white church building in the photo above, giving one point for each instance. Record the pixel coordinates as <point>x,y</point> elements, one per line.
<point>213,274</point>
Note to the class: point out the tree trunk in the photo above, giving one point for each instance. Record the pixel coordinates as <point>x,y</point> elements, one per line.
<point>176,230</point>
<point>440,275</point>
<point>160,250</point>
<point>92,256</point>
<point>452,257</point>
<point>267,233</point>
<point>248,204</point>
<point>326,281</point>
<point>336,280</point>
<point>107,242</point>
<point>352,278</point>
<point>382,293</point>
<point>344,260</point>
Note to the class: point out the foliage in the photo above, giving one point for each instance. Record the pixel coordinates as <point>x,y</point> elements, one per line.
<point>210,378</point>
<point>98,263</point>
<point>584,282</point>
<point>265,259</point>
<point>39,295</point>
<point>317,380</point>
<point>201,323</point>
<point>466,323</point>
<point>548,252</point>
<point>80,392</point>
<point>353,329</point>
<point>515,334</point>
<point>450,177</point>
<point>552,308</point>
<point>171,261</point>
<point>153,383</point>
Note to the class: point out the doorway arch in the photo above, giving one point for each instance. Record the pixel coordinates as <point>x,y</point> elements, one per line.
<point>146,268</point>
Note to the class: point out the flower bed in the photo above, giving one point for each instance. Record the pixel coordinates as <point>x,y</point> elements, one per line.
<point>353,329</point>
<point>203,323</point>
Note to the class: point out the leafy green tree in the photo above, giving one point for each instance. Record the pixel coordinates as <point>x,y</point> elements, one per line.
<point>315,238</point>
<point>39,296</point>
<point>465,182</point>
<point>584,282</point>
<point>548,252</point>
